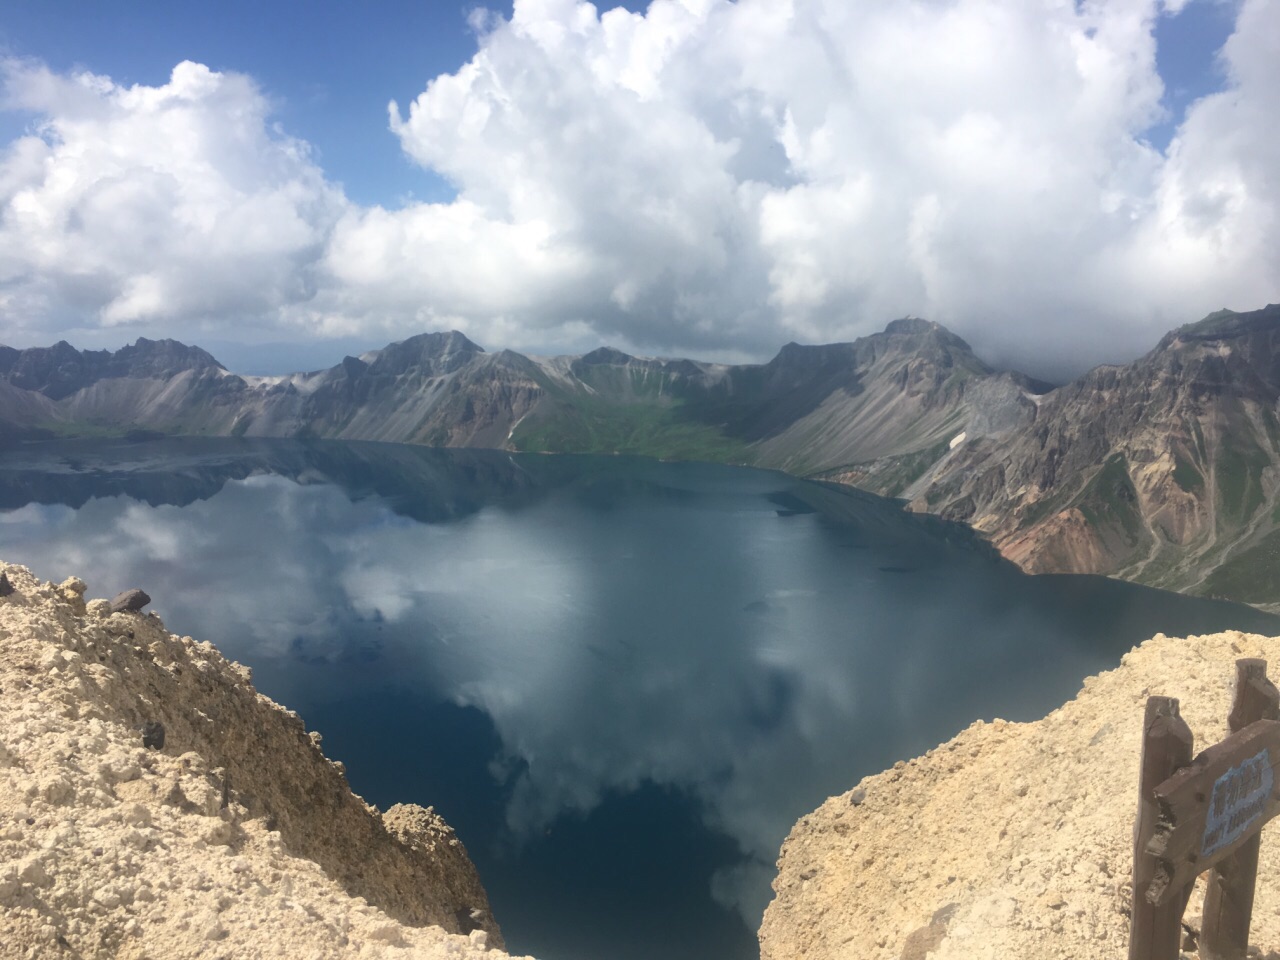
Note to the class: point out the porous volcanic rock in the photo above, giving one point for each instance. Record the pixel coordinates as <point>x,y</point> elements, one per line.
<point>236,838</point>
<point>1012,841</point>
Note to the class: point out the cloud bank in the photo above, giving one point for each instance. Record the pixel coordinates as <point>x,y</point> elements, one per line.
<point>709,177</point>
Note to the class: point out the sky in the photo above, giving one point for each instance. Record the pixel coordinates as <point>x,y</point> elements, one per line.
<point>1058,181</point>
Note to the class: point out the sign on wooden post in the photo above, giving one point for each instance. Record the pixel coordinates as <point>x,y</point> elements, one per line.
<point>1228,899</point>
<point>1204,814</point>
<point>1155,929</point>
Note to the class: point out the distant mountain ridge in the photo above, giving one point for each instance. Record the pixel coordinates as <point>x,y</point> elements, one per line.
<point>61,370</point>
<point>1165,470</point>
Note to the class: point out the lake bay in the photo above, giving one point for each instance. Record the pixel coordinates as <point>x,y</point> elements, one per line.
<point>620,680</point>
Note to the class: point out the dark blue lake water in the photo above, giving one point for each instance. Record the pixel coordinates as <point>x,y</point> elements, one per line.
<point>620,680</point>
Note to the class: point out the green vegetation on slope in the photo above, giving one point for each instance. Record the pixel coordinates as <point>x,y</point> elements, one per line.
<point>1252,576</point>
<point>1238,477</point>
<point>891,476</point>
<point>1187,476</point>
<point>1110,502</point>
<point>910,467</point>
<point>591,425</point>
<point>82,430</point>
<point>625,383</point>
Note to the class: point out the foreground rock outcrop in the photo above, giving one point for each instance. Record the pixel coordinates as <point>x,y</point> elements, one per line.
<point>1011,841</point>
<point>154,805</point>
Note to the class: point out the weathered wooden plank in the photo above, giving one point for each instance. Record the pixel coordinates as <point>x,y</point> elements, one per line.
<point>1210,807</point>
<point>1228,897</point>
<point>1155,931</point>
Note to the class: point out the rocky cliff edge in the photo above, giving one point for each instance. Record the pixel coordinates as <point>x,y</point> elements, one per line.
<point>1013,841</point>
<point>234,838</point>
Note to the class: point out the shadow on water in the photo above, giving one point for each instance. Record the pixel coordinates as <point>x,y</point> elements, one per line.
<point>621,681</point>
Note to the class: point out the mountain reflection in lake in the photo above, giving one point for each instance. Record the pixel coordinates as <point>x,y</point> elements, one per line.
<point>620,680</point>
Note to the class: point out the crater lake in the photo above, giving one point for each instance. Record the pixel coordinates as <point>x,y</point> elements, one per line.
<point>621,681</point>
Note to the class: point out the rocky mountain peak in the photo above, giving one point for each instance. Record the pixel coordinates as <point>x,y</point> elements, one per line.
<point>1226,351</point>
<point>434,353</point>
<point>159,358</point>
<point>912,325</point>
<point>604,355</point>
<point>918,344</point>
<point>57,371</point>
<point>810,367</point>
<point>1226,324</point>
<point>61,370</point>
<point>812,356</point>
<point>917,332</point>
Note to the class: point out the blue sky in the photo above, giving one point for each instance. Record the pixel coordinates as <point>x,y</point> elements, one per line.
<point>1187,48</point>
<point>330,67</point>
<point>696,177</point>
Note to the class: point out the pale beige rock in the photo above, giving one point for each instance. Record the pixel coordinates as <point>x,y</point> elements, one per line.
<point>238,839</point>
<point>1011,841</point>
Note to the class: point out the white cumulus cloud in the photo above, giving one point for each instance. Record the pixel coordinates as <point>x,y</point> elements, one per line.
<point>707,177</point>
<point>155,208</point>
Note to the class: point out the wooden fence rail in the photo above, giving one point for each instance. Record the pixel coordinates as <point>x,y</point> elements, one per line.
<point>1203,814</point>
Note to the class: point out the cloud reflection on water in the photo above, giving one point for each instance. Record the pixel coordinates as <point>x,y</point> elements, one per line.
<point>670,625</point>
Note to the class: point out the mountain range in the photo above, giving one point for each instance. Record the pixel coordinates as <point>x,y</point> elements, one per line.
<point>1164,471</point>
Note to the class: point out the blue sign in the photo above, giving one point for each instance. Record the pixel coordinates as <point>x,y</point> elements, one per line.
<point>1239,801</point>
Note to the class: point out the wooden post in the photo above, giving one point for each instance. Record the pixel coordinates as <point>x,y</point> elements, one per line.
<point>1155,933</point>
<point>1228,901</point>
